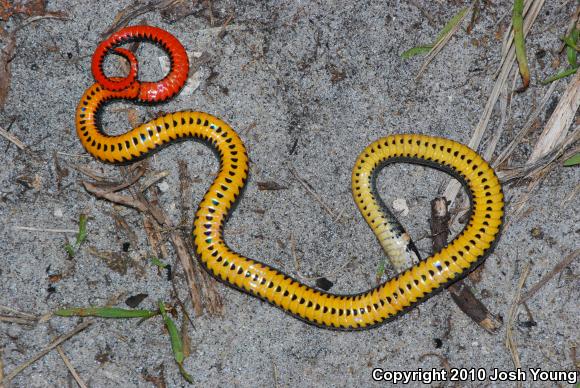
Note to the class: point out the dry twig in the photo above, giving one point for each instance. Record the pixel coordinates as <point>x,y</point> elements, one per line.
<point>510,341</point>
<point>7,135</point>
<point>56,342</point>
<point>310,191</point>
<point>460,292</point>
<point>70,367</point>
<point>557,269</point>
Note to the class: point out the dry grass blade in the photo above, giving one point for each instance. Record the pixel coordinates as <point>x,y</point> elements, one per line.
<point>114,197</point>
<point>507,62</point>
<point>557,127</point>
<point>456,23</point>
<point>527,128</point>
<point>20,313</point>
<point>150,181</point>
<point>557,269</point>
<point>70,367</point>
<point>111,187</point>
<point>18,320</point>
<point>510,341</point>
<point>309,189</point>
<point>47,230</point>
<point>7,135</point>
<point>56,342</point>
<point>1,370</point>
<point>90,173</point>
<point>539,167</point>
<point>54,15</point>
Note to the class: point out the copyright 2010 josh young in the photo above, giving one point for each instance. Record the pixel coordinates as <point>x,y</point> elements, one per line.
<point>428,376</point>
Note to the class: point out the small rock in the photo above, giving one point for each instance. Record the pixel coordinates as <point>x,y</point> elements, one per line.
<point>163,186</point>
<point>58,212</point>
<point>400,206</point>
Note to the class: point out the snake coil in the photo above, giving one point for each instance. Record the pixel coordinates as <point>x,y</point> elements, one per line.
<point>347,312</point>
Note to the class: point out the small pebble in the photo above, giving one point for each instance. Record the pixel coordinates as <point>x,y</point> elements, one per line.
<point>163,186</point>
<point>400,207</point>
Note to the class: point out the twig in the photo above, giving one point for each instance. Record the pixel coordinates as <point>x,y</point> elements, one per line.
<point>542,282</point>
<point>510,341</point>
<point>71,368</point>
<point>10,309</point>
<point>460,292</point>
<point>313,193</point>
<point>222,33</point>
<point>13,139</point>
<point>1,370</point>
<point>18,320</point>
<point>59,340</point>
<point>126,201</point>
<point>33,19</point>
<point>48,230</point>
<point>88,172</point>
<point>154,179</point>
<point>6,56</point>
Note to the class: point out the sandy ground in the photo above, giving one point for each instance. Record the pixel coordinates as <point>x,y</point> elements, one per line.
<point>308,84</point>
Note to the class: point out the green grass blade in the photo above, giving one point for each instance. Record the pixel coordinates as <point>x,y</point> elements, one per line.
<point>70,250</point>
<point>520,43</point>
<point>451,24</point>
<point>418,50</point>
<point>82,234</point>
<point>562,74</point>
<point>572,48</point>
<point>423,49</point>
<point>104,312</point>
<point>573,161</point>
<point>176,344</point>
<point>157,262</point>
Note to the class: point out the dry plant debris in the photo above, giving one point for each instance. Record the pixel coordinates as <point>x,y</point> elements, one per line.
<point>460,292</point>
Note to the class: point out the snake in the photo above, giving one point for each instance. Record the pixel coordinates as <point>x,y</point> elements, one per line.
<point>364,310</point>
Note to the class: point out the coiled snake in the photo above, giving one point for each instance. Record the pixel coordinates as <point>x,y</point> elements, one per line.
<point>347,312</point>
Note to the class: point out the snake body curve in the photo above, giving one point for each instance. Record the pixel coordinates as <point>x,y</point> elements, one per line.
<point>343,312</point>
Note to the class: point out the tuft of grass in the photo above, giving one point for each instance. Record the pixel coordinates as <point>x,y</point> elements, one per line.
<point>72,249</point>
<point>176,342</point>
